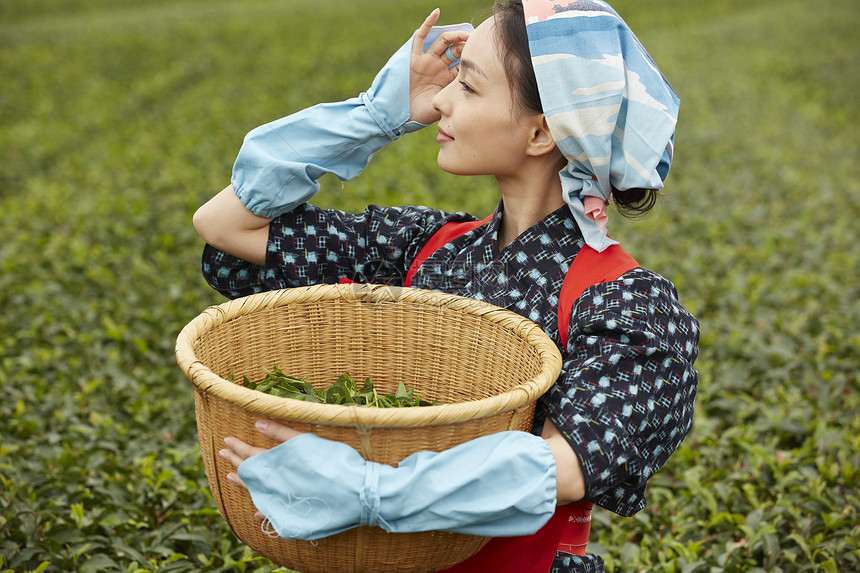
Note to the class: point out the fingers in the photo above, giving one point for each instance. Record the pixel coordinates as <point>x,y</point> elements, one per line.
<point>238,451</point>
<point>421,33</point>
<point>454,38</point>
<point>440,43</point>
<point>455,50</point>
<point>234,478</point>
<point>276,431</point>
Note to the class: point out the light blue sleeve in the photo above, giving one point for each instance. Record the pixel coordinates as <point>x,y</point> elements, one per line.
<point>279,163</point>
<point>497,485</point>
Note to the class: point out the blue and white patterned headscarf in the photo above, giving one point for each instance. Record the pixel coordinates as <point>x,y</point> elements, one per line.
<point>609,108</point>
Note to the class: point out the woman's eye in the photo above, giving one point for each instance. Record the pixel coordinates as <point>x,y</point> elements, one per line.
<point>466,88</point>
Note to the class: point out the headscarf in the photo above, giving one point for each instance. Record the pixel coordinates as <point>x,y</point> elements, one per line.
<point>610,110</point>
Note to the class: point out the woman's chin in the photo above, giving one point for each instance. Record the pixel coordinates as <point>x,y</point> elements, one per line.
<point>445,165</point>
<point>448,166</point>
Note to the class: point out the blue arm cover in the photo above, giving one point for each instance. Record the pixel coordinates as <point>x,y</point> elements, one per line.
<point>497,485</point>
<point>279,163</point>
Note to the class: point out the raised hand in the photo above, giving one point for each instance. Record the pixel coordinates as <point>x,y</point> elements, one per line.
<point>429,71</point>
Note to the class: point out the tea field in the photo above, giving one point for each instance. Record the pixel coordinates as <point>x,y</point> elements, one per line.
<point>118,118</point>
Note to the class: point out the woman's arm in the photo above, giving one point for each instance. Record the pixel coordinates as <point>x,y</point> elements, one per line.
<point>279,164</point>
<point>498,485</point>
<point>569,481</point>
<point>227,225</point>
<point>625,398</point>
<point>570,484</point>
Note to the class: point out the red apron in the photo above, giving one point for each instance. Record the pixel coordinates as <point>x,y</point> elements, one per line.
<point>567,530</point>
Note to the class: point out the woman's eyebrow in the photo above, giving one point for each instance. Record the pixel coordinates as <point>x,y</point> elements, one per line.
<point>470,65</point>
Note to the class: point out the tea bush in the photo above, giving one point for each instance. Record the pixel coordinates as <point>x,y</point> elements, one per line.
<point>118,118</point>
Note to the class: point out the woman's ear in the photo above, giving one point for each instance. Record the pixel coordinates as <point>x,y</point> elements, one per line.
<point>541,141</point>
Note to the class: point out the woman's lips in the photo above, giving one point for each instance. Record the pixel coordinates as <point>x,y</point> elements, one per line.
<point>443,137</point>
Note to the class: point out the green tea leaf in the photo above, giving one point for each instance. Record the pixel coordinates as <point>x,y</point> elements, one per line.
<point>343,391</point>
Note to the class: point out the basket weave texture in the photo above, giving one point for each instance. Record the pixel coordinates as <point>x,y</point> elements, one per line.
<point>484,365</point>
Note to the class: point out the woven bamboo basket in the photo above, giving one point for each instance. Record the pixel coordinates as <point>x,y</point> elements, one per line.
<point>485,367</point>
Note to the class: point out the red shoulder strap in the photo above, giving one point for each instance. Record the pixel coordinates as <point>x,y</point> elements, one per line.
<point>587,269</point>
<point>447,233</point>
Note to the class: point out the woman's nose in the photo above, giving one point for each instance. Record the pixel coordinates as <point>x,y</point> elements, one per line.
<point>441,99</point>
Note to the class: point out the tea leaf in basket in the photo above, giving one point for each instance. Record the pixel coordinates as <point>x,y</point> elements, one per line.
<point>344,390</point>
<point>308,389</point>
<point>368,385</point>
<point>245,382</point>
<point>266,385</point>
<point>402,394</point>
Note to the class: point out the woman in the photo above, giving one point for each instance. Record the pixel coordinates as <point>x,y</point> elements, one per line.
<point>567,111</point>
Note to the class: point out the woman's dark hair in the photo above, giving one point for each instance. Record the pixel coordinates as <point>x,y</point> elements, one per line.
<point>516,59</point>
<point>517,62</point>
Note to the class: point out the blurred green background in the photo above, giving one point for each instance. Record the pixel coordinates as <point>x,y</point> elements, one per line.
<point>118,118</point>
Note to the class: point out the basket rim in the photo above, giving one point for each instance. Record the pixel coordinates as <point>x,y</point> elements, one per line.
<point>279,408</point>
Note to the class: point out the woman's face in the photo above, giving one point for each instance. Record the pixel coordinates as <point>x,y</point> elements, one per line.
<point>480,132</point>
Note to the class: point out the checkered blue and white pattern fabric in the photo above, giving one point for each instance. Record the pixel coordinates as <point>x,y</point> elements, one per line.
<point>609,108</point>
